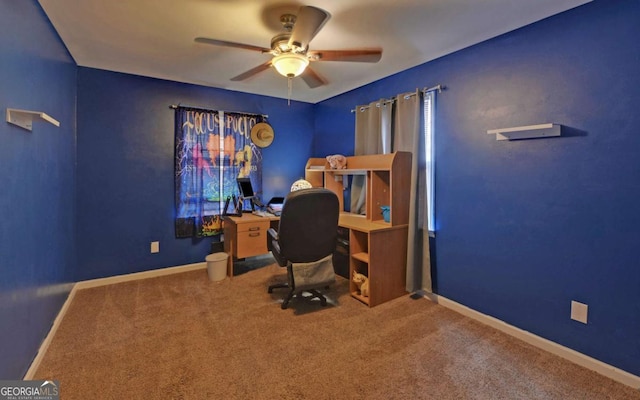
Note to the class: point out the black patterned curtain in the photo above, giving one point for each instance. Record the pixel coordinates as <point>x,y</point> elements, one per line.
<point>212,149</point>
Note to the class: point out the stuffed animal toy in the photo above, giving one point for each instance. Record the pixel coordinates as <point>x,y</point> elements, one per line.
<point>362,282</point>
<point>337,161</point>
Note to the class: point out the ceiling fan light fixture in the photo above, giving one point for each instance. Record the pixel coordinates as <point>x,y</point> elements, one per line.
<point>290,64</point>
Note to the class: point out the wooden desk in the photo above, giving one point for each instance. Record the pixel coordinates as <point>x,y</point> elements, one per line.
<point>245,236</point>
<point>377,249</point>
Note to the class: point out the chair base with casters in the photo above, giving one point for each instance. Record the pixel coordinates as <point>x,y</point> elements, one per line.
<point>299,293</point>
<point>285,302</point>
<point>305,242</point>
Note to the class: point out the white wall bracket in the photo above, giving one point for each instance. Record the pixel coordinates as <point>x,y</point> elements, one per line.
<point>24,118</point>
<point>527,132</point>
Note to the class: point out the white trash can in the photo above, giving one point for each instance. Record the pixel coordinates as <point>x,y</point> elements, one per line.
<point>217,266</point>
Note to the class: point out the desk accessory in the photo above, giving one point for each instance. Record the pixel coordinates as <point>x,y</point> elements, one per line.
<point>237,205</point>
<point>386,213</point>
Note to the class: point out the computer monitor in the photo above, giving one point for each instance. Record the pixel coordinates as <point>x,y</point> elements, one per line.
<point>245,187</point>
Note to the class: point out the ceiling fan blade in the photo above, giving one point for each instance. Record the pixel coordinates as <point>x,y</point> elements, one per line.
<point>309,21</point>
<point>224,43</point>
<point>311,78</point>
<point>370,56</point>
<point>252,71</point>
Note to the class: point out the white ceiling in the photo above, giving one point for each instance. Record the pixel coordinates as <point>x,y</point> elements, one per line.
<point>155,38</point>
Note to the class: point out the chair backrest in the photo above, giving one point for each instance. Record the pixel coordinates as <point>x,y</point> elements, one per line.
<point>309,225</point>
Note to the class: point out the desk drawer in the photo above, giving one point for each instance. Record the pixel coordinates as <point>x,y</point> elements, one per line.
<point>252,243</point>
<point>254,226</point>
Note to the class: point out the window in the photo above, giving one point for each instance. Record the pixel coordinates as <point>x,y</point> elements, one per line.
<point>429,106</point>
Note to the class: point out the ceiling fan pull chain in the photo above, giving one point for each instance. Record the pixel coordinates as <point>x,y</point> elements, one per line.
<point>289,85</point>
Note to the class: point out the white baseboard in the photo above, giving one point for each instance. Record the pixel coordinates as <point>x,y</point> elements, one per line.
<point>47,340</point>
<point>139,275</point>
<point>578,358</point>
<point>95,283</point>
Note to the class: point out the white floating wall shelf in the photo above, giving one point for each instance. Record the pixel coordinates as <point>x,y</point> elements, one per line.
<point>526,132</point>
<point>24,118</point>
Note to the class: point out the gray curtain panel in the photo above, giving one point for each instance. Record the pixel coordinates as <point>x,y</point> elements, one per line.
<point>384,127</point>
<point>407,137</point>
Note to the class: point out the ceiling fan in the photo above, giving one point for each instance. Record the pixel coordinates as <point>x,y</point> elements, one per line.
<point>290,49</point>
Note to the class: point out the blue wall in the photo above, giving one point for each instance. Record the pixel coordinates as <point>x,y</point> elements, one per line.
<point>524,227</point>
<point>125,166</point>
<point>37,242</point>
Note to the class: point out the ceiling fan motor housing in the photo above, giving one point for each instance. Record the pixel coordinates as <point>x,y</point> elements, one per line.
<point>280,43</point>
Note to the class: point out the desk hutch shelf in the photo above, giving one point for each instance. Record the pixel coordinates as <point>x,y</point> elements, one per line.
<point>378,249</point>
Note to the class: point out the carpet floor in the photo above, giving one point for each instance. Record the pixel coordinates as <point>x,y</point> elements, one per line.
<point>184,337</point>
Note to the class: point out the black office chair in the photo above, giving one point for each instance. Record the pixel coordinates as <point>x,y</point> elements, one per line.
<point>307,233</point>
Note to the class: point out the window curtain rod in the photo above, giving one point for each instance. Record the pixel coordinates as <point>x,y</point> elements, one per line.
<point>174,106</point>
<point>425,90</point>
<point>439,88</point>
<point>362,108</point>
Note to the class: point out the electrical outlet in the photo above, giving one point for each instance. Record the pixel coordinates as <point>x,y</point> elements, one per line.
<point>155,247</point>
<point>579,311</point>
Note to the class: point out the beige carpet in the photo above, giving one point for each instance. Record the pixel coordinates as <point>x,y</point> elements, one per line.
<point>184,337</point>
